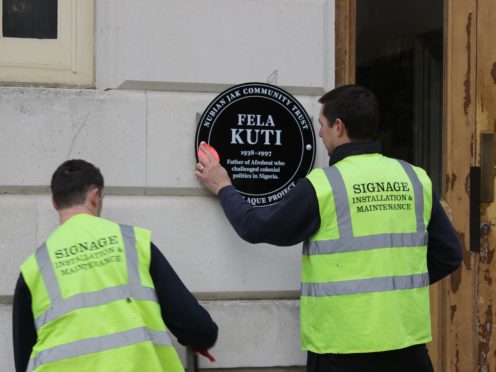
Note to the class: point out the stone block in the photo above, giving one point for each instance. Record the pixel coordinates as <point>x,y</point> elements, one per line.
<point>192,232</point>
<point>172,123</point>
<point>196,238</point>
<point>44,127</point>
<point>214,43</point>
<point>18,229</point>
<point>256,334</point>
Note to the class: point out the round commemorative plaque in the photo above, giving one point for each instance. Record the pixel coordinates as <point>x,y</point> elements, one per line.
<point>264,138</point>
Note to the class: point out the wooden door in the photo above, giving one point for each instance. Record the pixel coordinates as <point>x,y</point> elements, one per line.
<point>471,112</point>
<point>458,331</point>
<point>462,305</point>
<point>485,122</point>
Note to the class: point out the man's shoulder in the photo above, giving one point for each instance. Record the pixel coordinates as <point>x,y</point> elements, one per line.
<point>314,174</point>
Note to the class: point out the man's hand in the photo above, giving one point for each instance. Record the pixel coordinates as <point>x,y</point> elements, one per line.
<point>209,171</point>
<point>205,353</point>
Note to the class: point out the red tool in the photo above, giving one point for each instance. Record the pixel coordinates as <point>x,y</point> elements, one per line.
<point>205,353</point>
<point>210,149</point>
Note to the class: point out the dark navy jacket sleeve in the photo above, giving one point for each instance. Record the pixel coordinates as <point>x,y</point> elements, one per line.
<point>291,221</point>
<point>444,252</point>
<point>23,329</point>
<point>182,314</point>
<point>296,217</point>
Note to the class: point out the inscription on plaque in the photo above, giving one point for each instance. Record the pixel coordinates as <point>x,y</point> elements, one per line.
<point>264,137</point>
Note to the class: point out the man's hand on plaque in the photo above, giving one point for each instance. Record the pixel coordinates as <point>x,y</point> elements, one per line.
<point>209,171</point>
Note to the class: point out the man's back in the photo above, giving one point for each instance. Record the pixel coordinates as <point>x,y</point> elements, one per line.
<point>94,301</point>
<point>364,275</point>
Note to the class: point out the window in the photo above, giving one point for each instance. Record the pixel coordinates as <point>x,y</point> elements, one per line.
<point>47,42</point>
<point>29,19</point>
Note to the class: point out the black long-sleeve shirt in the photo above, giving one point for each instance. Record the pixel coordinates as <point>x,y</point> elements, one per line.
<point>182,314</point>
<point>296,217</point>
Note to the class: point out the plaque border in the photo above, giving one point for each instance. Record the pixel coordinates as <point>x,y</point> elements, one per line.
<point>305,141</point>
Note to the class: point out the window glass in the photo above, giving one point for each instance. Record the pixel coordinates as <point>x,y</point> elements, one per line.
<point>35,19</point>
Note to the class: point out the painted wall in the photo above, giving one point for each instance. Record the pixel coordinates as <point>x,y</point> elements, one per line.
<point>159,64</point>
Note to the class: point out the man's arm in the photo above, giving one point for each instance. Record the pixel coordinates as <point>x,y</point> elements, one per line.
<point>183,315</point>
<point>444,252</point>
<point>23,328</point>
<point>291,221</point>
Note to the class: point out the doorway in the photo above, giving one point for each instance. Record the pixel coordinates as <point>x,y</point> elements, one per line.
<point>399,56</point>
<point>433,67</point>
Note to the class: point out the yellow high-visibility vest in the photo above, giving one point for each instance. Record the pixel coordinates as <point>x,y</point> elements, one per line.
<point>364,272</point>
<point>94,302</point>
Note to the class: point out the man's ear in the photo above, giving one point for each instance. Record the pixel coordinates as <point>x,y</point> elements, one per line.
<point>340,127</point>
<point>54,204</point>
<point>92,196</point>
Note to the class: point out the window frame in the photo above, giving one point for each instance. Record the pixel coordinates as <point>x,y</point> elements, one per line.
<point>67,60</point>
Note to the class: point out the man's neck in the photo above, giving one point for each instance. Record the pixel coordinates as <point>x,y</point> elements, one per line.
<point>65,214</point>
<point>354,148</point>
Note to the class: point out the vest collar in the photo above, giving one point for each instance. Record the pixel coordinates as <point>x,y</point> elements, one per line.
<point>354,148</point>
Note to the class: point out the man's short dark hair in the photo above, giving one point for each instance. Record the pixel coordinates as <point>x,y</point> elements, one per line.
<point>72,180</point>
<point>357,108</point>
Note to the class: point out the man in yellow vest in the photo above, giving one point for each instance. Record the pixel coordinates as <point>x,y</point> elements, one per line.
<point>375,238</point>
<point>98,295</point>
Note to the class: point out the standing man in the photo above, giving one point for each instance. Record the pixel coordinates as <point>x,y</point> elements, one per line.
<point>97,295</point>
<point>375,238</point>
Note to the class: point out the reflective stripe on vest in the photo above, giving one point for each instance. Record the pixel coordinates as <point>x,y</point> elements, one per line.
<point>62,306</point>
<point>98,344</point>
<point>347,242</point>
<point>361,243</point>
<point>347,287</point>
